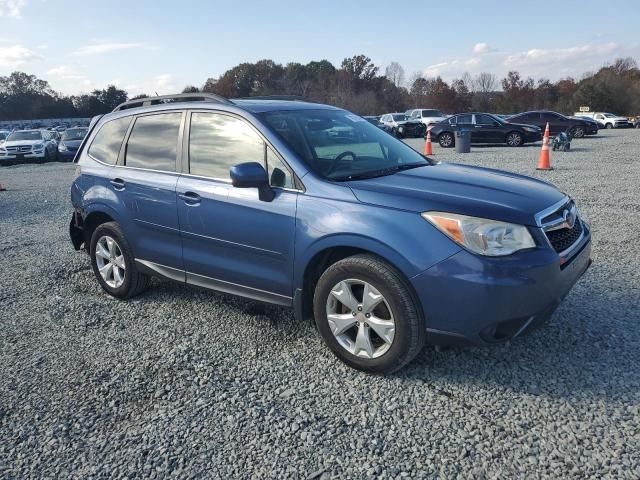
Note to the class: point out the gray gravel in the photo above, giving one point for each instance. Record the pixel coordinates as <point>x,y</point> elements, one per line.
<point>188,383</point>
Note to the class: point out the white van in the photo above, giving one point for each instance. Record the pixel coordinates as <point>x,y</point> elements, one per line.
<point>606,120</point>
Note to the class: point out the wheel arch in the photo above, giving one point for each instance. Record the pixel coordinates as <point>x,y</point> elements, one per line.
<point>334,249</point>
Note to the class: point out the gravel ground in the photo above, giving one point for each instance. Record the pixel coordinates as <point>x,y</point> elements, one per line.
<point>183,382</point>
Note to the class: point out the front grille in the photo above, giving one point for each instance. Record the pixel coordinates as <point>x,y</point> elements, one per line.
<point>19,149</point>
<point>564,238</point>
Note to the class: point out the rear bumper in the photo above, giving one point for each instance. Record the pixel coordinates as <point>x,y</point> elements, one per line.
<point>473,300</point>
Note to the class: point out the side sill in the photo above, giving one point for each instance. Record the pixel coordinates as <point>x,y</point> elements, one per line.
<point>240,290</point>
<point>156,269</point>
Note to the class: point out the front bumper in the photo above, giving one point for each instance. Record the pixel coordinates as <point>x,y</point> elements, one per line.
<point>13,157</point>
<point>474,300</point>
<point>530,137</point>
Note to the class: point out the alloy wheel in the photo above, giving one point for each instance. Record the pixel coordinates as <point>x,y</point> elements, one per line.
<point>514,139</point>
<point>110,261</point>
<point>360,318</point>
<point>446,140</point>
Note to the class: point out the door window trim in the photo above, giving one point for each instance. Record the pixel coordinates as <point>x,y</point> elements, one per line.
<point>123,148</point>
<point>185,163</point>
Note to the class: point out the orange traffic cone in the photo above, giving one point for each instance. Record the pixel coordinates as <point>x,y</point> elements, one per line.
<point>428,150</point>
<point>544,163</point>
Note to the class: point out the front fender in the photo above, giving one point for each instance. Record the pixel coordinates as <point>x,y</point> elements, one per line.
<point>402,238</point>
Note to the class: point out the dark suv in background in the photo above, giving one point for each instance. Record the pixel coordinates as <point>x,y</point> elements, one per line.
<point>558,123</point>
<point>484,128</point>
<point>312,207</point>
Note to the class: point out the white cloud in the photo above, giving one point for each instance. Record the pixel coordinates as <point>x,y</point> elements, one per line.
<point>105,48</point>
<point>42,47</point>
<point>481,47</point>
<point>65,72</point>
<point>163,84</point>
<point>553,63</point>
<point>16,55</point>
<point>11,8</point>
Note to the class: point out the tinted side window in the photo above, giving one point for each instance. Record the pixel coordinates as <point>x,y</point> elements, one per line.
<point>218,142</point>
<point>107,142</point>
<point>153,142</point>
<point>464,119</point>
<point>453,120</point>
<point>484,120</point>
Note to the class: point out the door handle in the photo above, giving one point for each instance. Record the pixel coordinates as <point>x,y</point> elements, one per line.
<point>117,183</point>
<point>190,198</point>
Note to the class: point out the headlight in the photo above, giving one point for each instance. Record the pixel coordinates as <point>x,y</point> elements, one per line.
<point>529,129</point>
<point>480,235</point>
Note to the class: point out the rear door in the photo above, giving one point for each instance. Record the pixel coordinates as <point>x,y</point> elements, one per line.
<point>146,181</point>
<point>233,241</point>
<point>487,129</point>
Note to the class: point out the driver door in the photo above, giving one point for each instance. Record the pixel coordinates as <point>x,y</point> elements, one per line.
<point>233,241</point>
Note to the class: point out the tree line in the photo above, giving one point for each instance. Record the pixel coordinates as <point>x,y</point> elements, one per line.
<point>357,85</point>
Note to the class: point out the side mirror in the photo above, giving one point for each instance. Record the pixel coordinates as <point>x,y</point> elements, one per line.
<point>252,175</point>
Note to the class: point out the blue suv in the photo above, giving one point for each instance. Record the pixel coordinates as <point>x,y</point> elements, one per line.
<point>312,207</point>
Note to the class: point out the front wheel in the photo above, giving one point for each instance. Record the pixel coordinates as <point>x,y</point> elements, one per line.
<point>609,126</point>
<point>446,140</point>
<point>514,139</point>
<point>367,316</point>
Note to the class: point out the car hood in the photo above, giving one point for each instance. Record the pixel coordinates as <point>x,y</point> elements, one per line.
<point>476,191</point>
<point>71,143</point>
<point>405,122</point>
<point>19,143</point>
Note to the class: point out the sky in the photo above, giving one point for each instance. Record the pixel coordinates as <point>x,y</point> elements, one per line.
<point>160,46</point>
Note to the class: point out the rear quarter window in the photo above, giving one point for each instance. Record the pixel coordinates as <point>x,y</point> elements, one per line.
<point>107,142</point>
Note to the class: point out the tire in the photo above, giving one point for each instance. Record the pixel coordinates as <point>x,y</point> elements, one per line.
<point>405,335</point>
<point>578,132</point>
<point>609,126</point>
<point>133,282</point>
<point>446,140</point>
<point>514,139</point>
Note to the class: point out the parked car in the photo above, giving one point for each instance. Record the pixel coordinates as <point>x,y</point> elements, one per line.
<point>373,120</point>
<point>485,128</point>
<point>399,125</point>
<point>426,115</point>
<point>636,122</point>
<point>29,144</point>
<point>606,120</point>
<point>69,143</point>
<point>593,128</point>
<point>3,135</point>
<point>557,122</point>
<point>383,247</point>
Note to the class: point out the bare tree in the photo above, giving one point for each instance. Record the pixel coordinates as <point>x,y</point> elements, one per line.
<point>485,83</point>
<point>395,74</point>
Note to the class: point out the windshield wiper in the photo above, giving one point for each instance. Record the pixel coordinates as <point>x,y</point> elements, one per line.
<point>381,172</point>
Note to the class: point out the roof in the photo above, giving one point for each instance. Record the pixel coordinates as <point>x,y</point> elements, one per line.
<point>260,106</point>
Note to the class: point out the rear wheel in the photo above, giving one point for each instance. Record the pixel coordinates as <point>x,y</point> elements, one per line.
<point>113,262</point>
<point>367,316</point>
<point>446,140</point>
<point>514,139</point>
<point>578,132</point>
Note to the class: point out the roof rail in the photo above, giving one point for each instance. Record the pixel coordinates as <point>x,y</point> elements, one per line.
<point>180,97</point>
<point>296,98</point>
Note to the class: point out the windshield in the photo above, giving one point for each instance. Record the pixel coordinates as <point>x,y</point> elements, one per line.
<point>610,115</point>
<point>432,113</point>
<point>74,134</point>
<point>26,135</point>
<point>339,146</point>
<point>400,117</point>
